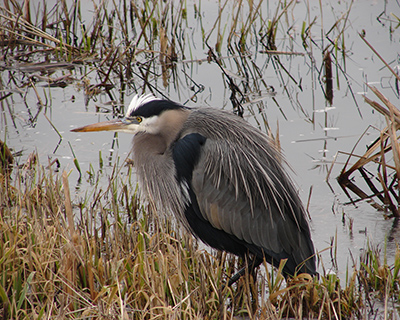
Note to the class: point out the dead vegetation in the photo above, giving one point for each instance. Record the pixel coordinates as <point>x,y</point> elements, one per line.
<point>106,257</point>
<point>379,166</point>
<point>130,47</point>
<point>381,188</point>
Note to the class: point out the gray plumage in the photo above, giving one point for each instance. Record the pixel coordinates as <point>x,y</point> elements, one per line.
<point>222,178</point>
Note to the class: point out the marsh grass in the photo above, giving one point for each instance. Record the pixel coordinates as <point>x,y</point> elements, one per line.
<point>94,262</point>
<point>108,255</point>
<point>150,46</point>
<point>379,166</point>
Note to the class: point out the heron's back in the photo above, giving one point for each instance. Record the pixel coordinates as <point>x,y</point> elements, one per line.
<point>242,189</point>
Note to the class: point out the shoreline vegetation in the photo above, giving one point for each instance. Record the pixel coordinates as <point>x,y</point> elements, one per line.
<point>107,255</point>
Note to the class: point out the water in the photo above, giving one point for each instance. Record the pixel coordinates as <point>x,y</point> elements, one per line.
<point>309,146</point>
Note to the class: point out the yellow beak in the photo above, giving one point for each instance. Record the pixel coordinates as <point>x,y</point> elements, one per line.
<point>112,125</point>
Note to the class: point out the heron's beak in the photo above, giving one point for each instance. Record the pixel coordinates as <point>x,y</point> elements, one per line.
<point>112,125</point>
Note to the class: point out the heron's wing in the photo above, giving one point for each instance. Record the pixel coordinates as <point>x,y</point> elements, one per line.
<point>270,224</point>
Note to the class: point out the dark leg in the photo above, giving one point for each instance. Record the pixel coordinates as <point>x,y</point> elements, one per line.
<point>246,291</point>
<point>237,276</point>
<point>250,264</point>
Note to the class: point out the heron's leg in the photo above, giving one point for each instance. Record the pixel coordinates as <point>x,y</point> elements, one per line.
<point>250,264</point>
<point>236,276</point>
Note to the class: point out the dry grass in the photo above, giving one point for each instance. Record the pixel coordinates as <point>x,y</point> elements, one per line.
<point>129,46</point>
<point>379,165</point>
<point>380,189</point>
<point>94,263</point>
<point>106,256</point>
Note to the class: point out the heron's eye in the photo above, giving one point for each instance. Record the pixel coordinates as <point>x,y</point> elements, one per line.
<point>139,119</point>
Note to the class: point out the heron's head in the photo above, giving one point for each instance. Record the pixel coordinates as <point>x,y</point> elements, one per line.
<point>145,114</point>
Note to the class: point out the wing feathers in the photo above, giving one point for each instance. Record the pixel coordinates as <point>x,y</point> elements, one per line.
<point>242,188</point>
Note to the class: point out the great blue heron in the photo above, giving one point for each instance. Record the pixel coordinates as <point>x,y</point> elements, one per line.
<point>221,177</point>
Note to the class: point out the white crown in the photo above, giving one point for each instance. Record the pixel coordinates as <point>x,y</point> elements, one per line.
<point>139,100</point>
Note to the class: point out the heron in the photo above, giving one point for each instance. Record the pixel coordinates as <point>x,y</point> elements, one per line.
<point>223,179</point>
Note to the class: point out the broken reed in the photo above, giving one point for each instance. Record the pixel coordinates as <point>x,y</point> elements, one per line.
<point>131,44</point>
<point>118,46</point>
<point>107,254</point>
<point>380,189</point>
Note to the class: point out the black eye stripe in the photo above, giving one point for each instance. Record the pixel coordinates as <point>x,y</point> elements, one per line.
<point>154,108</point>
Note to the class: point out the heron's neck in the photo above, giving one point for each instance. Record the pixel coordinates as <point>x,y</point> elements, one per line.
<point>147,145</point>
<point>170,125</point>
